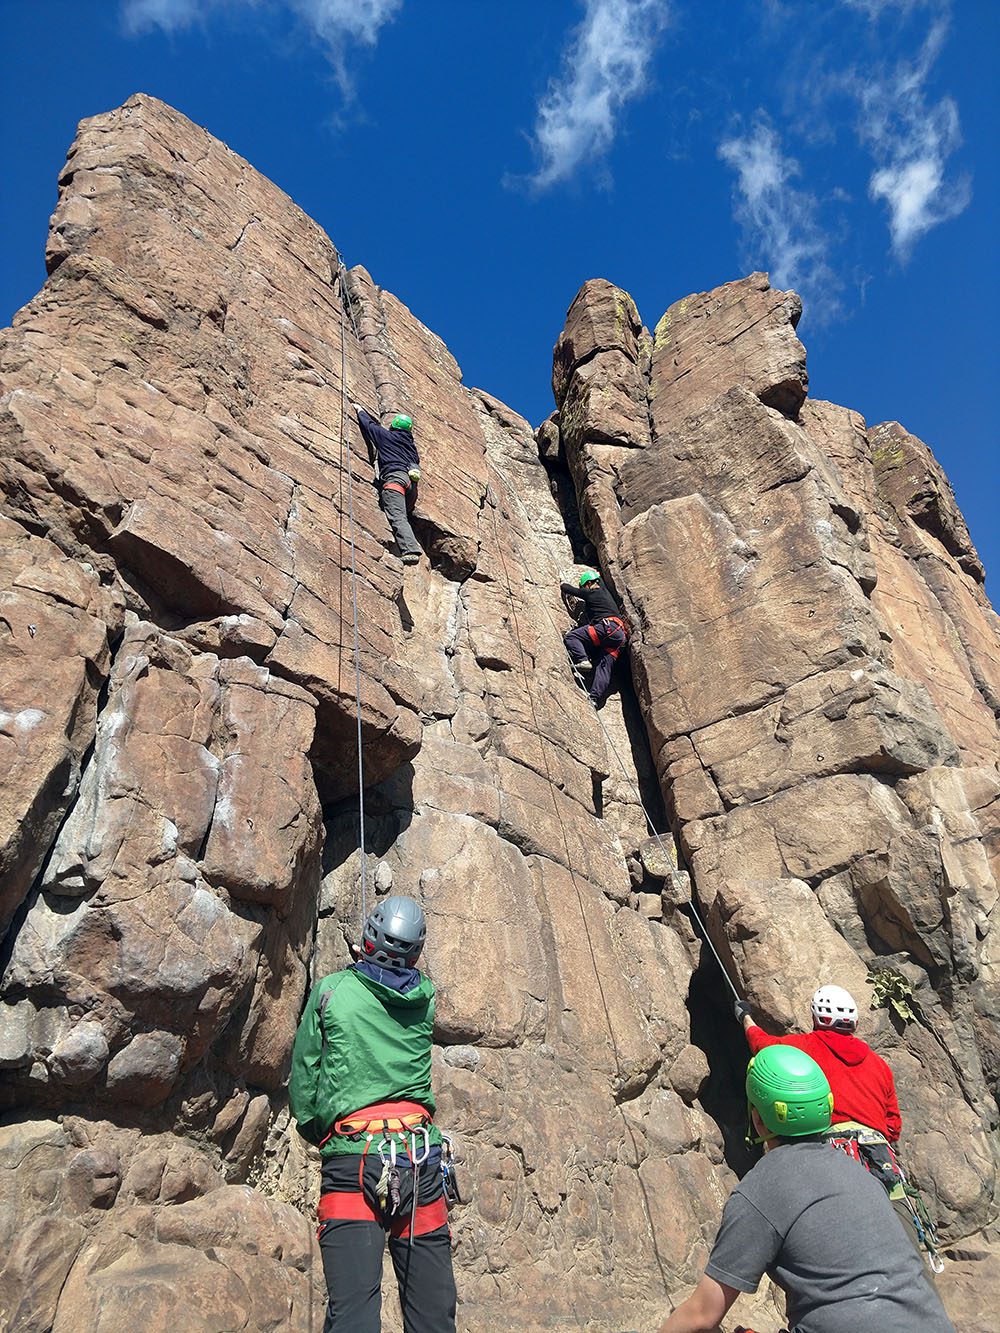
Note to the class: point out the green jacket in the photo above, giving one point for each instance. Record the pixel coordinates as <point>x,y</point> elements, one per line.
<point>358,1043</point>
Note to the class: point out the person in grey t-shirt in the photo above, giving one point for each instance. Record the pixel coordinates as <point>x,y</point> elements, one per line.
<point>815,1221</point>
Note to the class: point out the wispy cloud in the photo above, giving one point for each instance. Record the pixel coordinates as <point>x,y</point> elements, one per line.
<point>604,67</point>
<point>780,219</point>
<point>340,21</point>
<point>911,140</point>
<point>336,23</point>
<point>168,15</point>
<point>874,9</point>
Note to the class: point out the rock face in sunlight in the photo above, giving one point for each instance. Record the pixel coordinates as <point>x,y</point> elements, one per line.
<point>808,715</point>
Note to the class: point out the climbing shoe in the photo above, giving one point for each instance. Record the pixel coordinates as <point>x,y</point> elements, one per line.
<point>411,558</point>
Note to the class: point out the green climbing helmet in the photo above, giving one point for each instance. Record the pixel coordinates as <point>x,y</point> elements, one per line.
<point>402,422</point>
<point>790,1092</point>
<point>588,577</point>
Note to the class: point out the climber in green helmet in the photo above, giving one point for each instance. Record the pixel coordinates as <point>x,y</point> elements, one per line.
<point>397,466</point>
<point>604,633</point>
<point>820,1227</point>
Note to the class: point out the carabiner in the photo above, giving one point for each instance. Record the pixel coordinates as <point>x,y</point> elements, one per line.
<point>419,1158</point>
<point>387,1158</point>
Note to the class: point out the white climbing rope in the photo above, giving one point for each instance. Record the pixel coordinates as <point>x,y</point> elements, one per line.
<point>649,822</point>
<point>346,444</point>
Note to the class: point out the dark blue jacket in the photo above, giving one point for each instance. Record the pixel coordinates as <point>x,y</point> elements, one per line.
<point>598,601</point>
<point>394,449</point>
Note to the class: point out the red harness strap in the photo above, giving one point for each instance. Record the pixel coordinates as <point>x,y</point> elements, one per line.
<point>350,1206</point>
<point>428,1217</point>
<point>394,486</point>
<point>599,636</point>
<point>345,1206</point>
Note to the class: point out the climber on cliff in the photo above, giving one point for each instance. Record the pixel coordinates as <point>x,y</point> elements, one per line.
<point>821,1229</point>
<point>866,1120</point>
<point>397,466</point>
<point>605,633</point>
<point>360,1089</point>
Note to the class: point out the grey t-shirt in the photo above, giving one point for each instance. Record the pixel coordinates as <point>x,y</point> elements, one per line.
<point>824,1230</point>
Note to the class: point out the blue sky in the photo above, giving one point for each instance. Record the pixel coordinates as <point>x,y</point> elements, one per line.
<point>483,159</point>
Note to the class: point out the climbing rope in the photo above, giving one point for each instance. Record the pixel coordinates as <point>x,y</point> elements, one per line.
<point>703,929</point>
<point>346,444</point>
<point>569,860</point>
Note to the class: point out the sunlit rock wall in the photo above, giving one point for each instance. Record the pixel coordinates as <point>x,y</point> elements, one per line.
<point>815,674</point>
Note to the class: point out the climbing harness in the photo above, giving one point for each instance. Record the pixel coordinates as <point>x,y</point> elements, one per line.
<point>876,1154</point>
<point>609,634</point>
<point>395,1128</point>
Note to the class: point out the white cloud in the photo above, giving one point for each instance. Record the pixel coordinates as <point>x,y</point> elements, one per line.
<point>603,68</point>
<point>340,21</point>
<point>780,221</point>
<point>336,23</point>
<point>142,15</point>
<point>911,141</point>
<point>876,8</point>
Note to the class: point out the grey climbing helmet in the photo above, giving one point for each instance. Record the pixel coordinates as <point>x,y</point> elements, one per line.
<point>394,933</point>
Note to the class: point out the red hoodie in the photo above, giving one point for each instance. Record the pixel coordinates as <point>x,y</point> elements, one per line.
<point>861,1081</point>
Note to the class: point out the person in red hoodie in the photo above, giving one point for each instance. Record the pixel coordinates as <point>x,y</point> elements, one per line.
<point>865,1121</point>
<point>861,1082</point>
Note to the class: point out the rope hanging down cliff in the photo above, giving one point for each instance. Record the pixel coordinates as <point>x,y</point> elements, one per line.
<point>494,504</point>
<point>649,822</point>
<point>346,446</point>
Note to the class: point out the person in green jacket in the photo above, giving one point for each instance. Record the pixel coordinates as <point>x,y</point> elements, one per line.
<point>360,1089</point>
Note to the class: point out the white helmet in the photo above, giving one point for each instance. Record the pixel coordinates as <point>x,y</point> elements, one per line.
<point>834,1008</point>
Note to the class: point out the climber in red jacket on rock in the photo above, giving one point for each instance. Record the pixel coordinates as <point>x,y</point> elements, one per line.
<point>865,1123</point>
<point>861,1082</point>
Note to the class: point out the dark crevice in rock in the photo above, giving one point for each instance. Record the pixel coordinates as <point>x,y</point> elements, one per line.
<point>597,788</point>
<point>714,1030</point>
<point>563,489</point>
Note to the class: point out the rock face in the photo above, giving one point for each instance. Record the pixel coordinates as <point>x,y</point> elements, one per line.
<point>809,721</point>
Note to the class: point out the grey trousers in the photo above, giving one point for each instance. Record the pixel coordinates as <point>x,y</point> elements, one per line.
<point>397,512</point>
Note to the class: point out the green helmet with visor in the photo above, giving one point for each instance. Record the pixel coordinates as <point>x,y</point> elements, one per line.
<point>588,576</point>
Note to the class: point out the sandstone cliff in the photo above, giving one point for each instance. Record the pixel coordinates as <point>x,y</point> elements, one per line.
<point>809,720</point>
